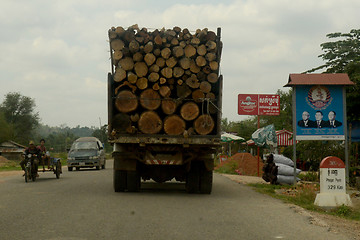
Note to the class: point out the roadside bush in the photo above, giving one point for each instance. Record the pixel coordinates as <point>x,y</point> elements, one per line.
<point>343,211</point>
<point>310,177</point>
<point>228,168</point>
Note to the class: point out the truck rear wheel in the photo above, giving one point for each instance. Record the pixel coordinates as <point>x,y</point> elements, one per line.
<point>206,180</point>
<point>133,181</point>
<point>192,178</point>
<point>119,180</point>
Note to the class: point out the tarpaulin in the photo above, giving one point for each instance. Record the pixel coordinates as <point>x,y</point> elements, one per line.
<point>265,137</point>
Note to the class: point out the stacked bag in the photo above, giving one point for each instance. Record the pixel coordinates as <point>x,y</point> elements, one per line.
<point>279,169</point>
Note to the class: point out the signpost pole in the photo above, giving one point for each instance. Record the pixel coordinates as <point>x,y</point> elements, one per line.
<point>346,139</point>
<point>258,148</point>
<point>259,104</point>
<point>294,129</point>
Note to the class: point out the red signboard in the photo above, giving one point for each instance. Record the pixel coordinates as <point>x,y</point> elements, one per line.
<point>258,104</point>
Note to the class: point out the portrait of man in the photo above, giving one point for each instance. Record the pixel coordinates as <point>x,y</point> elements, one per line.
<point>332,122</point>
<point>319,123</point>
<point>306,122</point>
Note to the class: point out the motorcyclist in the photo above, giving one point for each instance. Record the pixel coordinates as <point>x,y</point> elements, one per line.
<point>32,149</point>
<point>44,156</point>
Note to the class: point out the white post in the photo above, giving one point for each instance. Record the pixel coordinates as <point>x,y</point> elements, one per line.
<point>332,184</point>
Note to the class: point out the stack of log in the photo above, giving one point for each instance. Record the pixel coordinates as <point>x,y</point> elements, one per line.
<point>165,81</point>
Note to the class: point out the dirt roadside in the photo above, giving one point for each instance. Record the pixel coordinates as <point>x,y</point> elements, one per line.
<point>351,228</point>
<point>10,173</point>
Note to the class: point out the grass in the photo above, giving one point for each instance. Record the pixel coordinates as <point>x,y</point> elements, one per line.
<point>11,166</point>
<point>304,196</point>
<point>62,156</point>
<point>228,168</point>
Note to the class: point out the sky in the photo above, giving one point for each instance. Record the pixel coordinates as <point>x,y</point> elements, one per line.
<point>57,52</point>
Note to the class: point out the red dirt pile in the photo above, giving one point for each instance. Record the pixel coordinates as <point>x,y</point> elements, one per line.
<point>245,163</point>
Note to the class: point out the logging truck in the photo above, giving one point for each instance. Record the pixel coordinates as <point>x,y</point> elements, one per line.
<point>164,106</point>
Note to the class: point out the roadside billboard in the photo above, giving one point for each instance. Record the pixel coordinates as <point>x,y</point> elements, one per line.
<point>319,112</point>
<point>258,104</point>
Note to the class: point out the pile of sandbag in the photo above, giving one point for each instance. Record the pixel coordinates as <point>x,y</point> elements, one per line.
<point>279,169</point>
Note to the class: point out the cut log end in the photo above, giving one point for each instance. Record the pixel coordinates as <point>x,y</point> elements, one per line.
<point>150,99</point>
<point>126,101</point>
<point>174,125</point>
<point>168,105</point>
<point>189,111</point>
<point>121,122</point>
<point>165,91</point>
<point>204,124</point>
<point>150,123</point>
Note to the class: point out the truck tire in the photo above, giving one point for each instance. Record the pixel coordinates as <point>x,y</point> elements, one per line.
<point>192,178</point>
<point>206,180</point>
<point>133,181</point>
<point>70,169</point>
<point>119,180</point>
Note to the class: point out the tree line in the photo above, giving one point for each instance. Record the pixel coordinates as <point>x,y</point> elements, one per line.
<point>19,122</point>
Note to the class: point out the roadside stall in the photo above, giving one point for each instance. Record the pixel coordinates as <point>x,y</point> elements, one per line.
<point>228,139</point>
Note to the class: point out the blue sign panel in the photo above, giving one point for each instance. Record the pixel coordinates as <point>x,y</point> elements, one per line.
<point>319,112</point>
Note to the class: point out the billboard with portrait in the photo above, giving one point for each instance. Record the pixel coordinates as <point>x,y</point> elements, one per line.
<point>319,112</point>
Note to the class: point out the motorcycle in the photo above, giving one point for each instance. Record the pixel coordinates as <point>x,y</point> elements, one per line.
<point>31,162</point>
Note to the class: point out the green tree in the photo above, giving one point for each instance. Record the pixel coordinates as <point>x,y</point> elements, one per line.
<point>101,134</point>
<point>60,141</point>
<point>339,54</point>
<point>343,56</point>
<point>245,128</point>
<point>6,130</point>
<point>225,125</point>
<point>314,151</point>
<point>353,92</point>
<point>19,111</point>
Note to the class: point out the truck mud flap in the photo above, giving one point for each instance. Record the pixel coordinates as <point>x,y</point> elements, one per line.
<point>124,162</point>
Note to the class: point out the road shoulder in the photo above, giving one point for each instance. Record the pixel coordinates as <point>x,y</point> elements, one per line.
<point>351,228</point>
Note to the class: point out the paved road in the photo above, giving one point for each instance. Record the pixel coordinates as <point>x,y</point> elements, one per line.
<point>83,205</point>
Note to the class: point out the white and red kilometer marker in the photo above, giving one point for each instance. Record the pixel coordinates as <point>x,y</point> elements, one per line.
<point>332,184</point>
